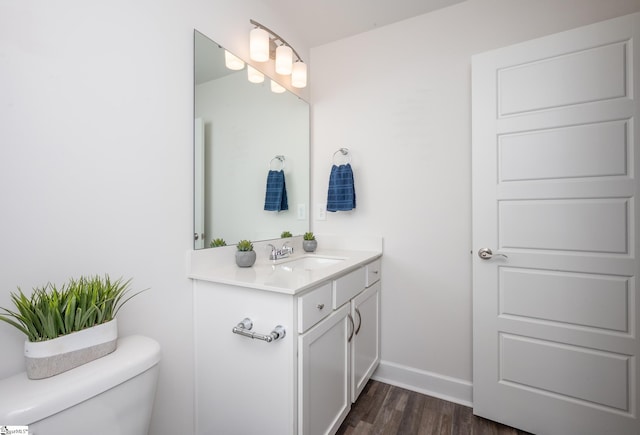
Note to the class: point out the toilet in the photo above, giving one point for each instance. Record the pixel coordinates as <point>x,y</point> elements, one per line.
<point>111,395</point>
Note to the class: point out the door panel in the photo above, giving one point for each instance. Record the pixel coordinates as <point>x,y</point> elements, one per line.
<point>583,76</point>
<point>555,157</point>
<point>587,225</point>
<point>581,299</point>
<point>365,354</point>
<point>589,150</point>
<point>595,377</point>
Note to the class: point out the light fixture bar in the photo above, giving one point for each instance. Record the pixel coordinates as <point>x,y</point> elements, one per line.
<point>276,37</point>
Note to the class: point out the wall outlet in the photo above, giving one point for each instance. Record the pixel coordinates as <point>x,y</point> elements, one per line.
<point>322,212</point>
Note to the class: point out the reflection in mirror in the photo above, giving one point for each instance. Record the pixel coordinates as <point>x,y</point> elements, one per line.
<point>240,130</point>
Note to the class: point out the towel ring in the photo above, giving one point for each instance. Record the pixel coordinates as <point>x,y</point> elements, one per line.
<point>344,152</point>
<point>279,158</point>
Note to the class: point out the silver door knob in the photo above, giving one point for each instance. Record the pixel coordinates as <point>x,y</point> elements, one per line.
<point>487,254</point>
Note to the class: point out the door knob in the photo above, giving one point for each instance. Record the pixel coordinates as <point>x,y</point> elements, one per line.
<point>487,254</point>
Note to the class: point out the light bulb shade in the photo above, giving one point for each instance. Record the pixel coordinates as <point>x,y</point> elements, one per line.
<point>254,75</point>
<point>299,75</point>
<point>232,62</point>
<point>259,45</point>
<point>276,88</point>
<point>284,60</point>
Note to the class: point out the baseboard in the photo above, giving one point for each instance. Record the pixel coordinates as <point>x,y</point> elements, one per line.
<point>429,383</point>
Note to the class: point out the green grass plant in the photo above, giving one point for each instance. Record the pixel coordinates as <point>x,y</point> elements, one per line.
<point>79,304</point>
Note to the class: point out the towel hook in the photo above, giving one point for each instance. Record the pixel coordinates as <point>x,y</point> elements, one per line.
<point>344,152</point>
<point>280,158</point>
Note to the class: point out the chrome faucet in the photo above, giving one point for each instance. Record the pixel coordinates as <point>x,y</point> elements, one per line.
<point>276,254</point>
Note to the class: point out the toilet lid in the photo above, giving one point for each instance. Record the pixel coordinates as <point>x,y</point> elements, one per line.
<point>24,401</point>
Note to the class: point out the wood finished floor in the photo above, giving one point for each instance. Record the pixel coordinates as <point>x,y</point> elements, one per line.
<point>384,409</point>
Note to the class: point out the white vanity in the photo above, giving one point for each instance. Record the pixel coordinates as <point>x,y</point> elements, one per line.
<point>303,380</point>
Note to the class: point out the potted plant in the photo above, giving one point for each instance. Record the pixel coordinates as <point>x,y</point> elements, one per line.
<point>285,234</point>
<point>70,326</point>
<point>245,256</point>
<point>215,243</point>
<point>309,242</point>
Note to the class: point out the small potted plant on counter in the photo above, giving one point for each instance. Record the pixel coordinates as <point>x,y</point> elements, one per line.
<point>309,242</point>
<point>285,234</point>
<point>215,243</point>
<point>245,256</point>
<point>70,326</point>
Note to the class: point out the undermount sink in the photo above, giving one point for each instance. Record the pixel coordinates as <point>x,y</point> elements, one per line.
<point>310,262</point>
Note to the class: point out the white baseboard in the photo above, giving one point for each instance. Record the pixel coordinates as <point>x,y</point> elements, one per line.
<point>429,383</point>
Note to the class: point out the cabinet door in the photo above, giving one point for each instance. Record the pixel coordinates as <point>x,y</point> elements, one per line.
<point>366,339</point>
<point>323,384</point>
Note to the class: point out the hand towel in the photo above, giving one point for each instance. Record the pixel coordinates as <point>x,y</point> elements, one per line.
<point>276,196</point>
<point>342,193</point>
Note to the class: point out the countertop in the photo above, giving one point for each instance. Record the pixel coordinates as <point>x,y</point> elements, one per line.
<point>275,276</point>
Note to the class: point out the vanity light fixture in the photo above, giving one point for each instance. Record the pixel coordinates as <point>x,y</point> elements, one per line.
<point>276,88</point>
<point>259,45</point>
<point>254,75</point>
<point>232,62</point>
<point>264,44</point>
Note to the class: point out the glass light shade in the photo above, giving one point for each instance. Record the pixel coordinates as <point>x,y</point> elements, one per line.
<point>276,88</point>
<point>284,60</point>
<point>232,62</point>
<point>254,75</point>
<point>259,45</point>
<point>299,75</point>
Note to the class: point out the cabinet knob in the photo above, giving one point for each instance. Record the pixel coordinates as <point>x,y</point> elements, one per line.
<point>320,306</point>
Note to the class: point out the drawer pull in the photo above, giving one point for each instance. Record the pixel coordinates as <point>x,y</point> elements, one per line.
<point>353,328</point>
<point>320,306</point>
<point>359,320</point>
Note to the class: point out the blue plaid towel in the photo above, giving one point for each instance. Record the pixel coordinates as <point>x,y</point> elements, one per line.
<point>342,193</point>
<point>276,197</point>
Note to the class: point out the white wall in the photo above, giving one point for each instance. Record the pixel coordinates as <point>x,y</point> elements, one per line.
<point>399,97</point>
<point>96,127</point>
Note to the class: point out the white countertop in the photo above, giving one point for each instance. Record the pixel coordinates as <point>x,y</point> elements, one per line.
<point>218,265</point>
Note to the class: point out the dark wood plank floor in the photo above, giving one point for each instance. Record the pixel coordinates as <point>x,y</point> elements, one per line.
<point>384,409</point>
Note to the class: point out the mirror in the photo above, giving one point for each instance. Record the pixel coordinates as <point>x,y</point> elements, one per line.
<point>242,131</point>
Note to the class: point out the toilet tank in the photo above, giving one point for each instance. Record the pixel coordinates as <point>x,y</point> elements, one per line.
<point>111,395</point>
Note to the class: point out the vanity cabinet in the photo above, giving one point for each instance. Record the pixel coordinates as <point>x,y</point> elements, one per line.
<point>302,384</point>
<point>339,355</point>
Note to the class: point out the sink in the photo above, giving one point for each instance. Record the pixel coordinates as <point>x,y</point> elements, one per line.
<point>311,262</point>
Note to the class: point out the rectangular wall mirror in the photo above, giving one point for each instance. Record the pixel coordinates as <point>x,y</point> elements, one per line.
<point>240,129</point>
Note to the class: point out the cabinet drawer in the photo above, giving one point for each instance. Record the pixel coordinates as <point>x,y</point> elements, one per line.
<point>346,287</point>
<point>313,307</point>
<point>374,270</point>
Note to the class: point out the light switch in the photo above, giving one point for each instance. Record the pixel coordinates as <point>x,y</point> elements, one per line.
<point>322,212</point>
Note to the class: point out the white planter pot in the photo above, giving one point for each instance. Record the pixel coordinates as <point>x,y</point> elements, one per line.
<point>51,357</point>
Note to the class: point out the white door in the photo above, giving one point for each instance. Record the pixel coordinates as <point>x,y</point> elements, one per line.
<point>323,374</point>
<point>555,161</point>
<point>365,351</point>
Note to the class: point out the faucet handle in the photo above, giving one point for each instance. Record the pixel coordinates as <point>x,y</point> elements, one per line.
<point>273,252</point>
<point>287,248</point>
